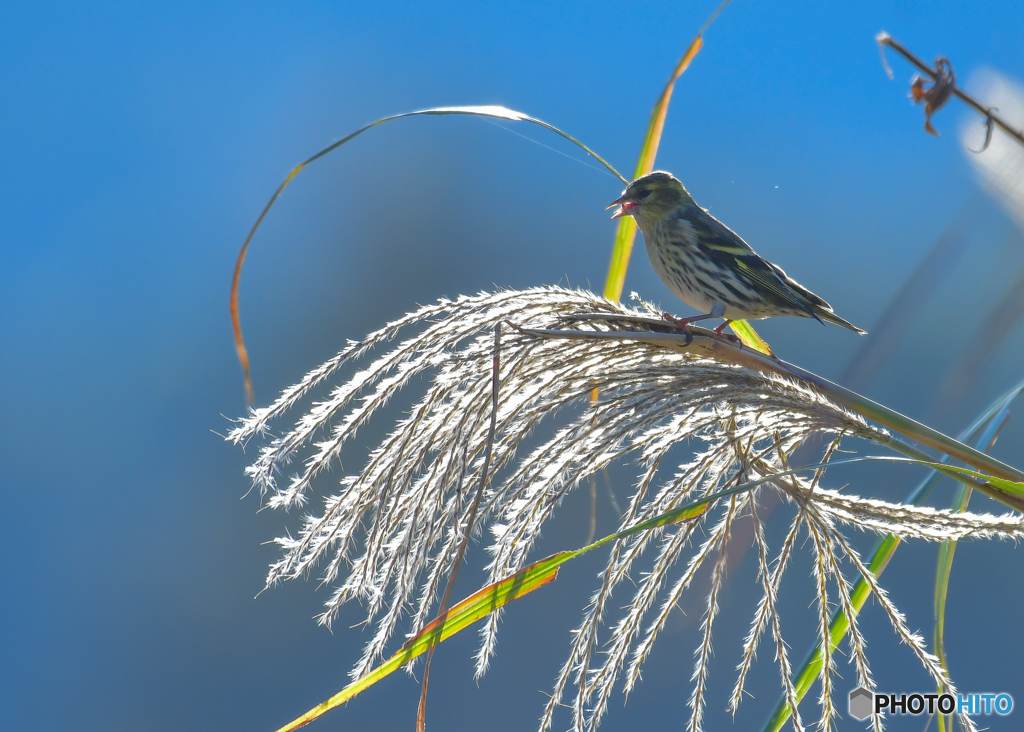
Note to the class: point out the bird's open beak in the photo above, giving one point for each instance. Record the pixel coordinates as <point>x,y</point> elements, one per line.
<point>625,204</point>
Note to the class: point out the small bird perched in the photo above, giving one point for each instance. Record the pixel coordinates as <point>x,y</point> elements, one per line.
<point>707,265</point>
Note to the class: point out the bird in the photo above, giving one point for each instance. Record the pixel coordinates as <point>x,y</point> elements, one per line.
<point>709,266</point>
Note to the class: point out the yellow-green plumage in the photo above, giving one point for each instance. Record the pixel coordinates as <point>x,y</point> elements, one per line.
<point>706,264</point>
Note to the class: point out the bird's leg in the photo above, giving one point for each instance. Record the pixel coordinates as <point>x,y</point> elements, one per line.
<point>716,312</point>
<point>683,322</point>
<point>728,336</point>
<point>680,323</point>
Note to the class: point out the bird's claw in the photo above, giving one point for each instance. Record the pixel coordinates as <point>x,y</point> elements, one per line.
<point>720,331</point>
<point>681,324</point>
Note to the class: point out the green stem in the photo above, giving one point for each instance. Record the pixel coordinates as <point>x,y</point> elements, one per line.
<point>942,572</point>
<point>911,428</point>
<point>811,667</point>
<point>707,343</point>
<point>947,550</point>
<point>993,418</point>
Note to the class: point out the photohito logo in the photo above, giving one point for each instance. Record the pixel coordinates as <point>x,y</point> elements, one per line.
<point>864,703</point>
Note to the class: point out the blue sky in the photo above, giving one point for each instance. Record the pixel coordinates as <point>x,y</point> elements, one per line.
<point>140,141</point>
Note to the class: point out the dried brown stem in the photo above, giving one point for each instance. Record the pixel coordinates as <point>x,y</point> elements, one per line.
<point>884,39</point>
<point>421,711</point>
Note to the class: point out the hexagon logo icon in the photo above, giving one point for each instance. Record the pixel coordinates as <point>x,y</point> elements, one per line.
<point>861,703</point>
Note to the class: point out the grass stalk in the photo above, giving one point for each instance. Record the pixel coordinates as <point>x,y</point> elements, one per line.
<point>993,418</point>
<point>708,343</point>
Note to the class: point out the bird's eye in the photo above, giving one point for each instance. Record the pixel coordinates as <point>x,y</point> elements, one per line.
<point>642,194</point>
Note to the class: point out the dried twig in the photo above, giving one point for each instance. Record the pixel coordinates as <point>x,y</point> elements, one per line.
<point>945,84</point>
<point>935,98</point>
<point>443,610</point>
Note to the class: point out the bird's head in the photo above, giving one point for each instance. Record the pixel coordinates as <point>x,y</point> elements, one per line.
<point>651,197</point>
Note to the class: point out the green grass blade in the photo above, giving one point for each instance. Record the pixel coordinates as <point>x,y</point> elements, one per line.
<point>496,112</point>
<point>536,575</point>
<point>488,599</point>
<point>459,616</point>
<point>947,550</point>
<point>1002,484</point>
<point>910,427</point>
<point>883,552</point>
<point>746,333</point>
<point>942,573</point>
<point>625,234</point>
<point>838,628</point>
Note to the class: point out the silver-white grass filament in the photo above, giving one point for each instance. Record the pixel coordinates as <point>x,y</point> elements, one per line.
<point>389,536</point>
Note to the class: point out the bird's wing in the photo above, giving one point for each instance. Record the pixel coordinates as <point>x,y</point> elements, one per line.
<point>714,237</point>
<point>822,310</point>
<point>727,249</point>
<point>800,289</point>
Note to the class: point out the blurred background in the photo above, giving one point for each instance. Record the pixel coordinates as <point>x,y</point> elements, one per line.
<point>140,142</point>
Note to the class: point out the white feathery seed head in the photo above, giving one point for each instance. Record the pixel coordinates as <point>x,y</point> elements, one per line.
<point>388,531</point>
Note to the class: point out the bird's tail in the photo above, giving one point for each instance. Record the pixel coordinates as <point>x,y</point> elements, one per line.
<point>828,315</point>
<point>814,306</point>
